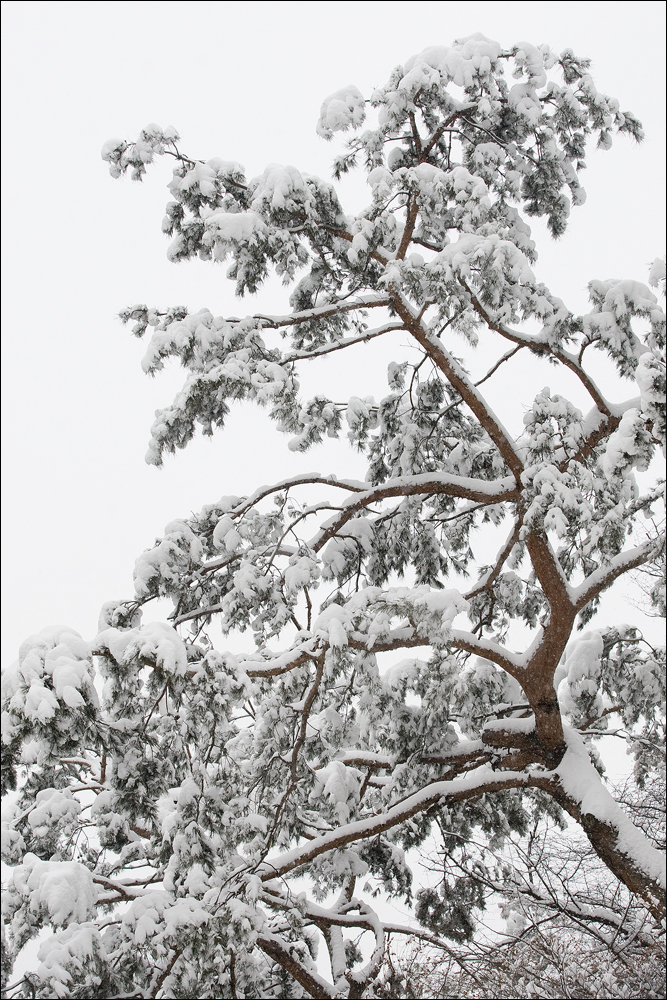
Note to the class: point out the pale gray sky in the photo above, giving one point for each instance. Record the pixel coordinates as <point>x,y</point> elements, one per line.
<point>243,81</point>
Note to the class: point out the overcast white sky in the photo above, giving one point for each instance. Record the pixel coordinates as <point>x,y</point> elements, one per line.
<point>243,81</point>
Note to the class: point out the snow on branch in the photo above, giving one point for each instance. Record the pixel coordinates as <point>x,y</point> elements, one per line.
<point>440,792</point>
<point>603,577</point>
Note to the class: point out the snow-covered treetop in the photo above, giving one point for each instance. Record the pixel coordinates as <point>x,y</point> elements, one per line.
<point>164,814</point>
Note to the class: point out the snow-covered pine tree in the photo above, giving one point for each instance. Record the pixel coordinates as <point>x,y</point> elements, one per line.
<point>197,827</point>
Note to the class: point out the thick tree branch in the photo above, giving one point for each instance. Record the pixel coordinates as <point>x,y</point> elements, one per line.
<point>604,429</point>
<point>604,576</point>
<point>622,846</point>
<point>410,221</point>
<point>483,781</point>
<point>550,574</point>
<point>438,134</point>
<point>490,650</point>
<point>283,663</point>
<point>343,234</point>
<point>313,478</point>
<point>460,381</point>
<point>280,952</point>
<point>477,490</point>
